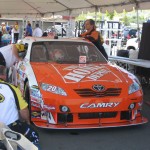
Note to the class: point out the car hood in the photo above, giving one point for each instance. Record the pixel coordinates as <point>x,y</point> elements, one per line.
<point>60,74</point>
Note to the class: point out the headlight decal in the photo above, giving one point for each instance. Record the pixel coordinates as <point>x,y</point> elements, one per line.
<point>134,87</point>
<point>53,89</point>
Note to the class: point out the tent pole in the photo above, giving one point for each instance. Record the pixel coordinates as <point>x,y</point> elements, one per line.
<point>137,13</point>
<point>96,10</point>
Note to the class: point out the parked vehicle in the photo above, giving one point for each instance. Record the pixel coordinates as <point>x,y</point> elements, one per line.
<point>132,43</point>
<point>68,84</point>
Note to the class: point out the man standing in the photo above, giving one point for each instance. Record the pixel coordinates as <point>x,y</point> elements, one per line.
<point>37,32</point>
<point>28,29</point>
<point>15,33</point>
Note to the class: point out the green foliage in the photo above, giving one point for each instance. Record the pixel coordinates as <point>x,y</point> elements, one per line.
<point>126,17</point>
<point>126,20</point>
<point>110,15</point>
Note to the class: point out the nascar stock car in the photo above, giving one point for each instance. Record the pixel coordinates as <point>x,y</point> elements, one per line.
<point>68,84</point>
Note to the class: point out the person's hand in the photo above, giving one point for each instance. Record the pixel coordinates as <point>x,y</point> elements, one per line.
<point>87,36</point>
<point>20,59</point>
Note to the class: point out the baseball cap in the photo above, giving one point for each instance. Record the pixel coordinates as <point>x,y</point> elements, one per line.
<point>20,46</point>
<point>3,23</point>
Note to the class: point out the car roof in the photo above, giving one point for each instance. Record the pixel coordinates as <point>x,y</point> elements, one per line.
<point>37,39</point>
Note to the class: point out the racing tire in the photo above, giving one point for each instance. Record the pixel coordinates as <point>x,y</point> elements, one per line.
<point>27,97</point>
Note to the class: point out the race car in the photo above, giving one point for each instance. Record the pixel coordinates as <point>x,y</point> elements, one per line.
<point>68,84</point>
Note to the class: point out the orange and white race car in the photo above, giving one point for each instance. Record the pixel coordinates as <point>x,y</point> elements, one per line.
<point>69,85</point>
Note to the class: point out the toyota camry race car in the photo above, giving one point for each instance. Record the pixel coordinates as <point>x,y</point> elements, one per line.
<point>69,84</point>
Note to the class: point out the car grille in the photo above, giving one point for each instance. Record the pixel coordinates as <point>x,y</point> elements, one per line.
<point>91,93</point>
<point>97,115</point>
<point>63,118</point>
<point>125,115</point>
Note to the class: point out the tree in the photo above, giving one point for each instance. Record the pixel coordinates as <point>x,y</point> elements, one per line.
<point>110,15</point>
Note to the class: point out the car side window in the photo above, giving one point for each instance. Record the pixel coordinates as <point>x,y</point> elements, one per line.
<point>38,53</point>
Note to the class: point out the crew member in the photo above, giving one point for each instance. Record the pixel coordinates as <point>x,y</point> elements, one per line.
<point>9,55</point>
<point>13,108</point>
<point>94,36</point>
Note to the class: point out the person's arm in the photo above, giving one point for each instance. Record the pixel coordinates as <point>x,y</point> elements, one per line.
<point>93,37</point>
<point>24,114</point>
<point>21,104</point>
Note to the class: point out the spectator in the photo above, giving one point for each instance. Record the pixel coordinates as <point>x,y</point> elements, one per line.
<point>4,31</point>
<point>94,36</point>
<point>28,31</point>
<point>37,32</point>
<point>45,34</point>
<point>15,33</point>
<point>14,110</point>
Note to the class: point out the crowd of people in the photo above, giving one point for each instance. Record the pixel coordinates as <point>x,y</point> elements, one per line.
<point>12,32</point>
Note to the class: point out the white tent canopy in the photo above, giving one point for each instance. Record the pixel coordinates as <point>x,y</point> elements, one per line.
<point>46,8</point>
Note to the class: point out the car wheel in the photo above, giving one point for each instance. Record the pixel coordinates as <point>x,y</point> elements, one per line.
<point>8,77</point>
<point>27,97</point>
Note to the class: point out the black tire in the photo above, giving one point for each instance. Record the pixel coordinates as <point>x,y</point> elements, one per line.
<point>26,96</point>
<point>8,77</point>
<point>26,92</point>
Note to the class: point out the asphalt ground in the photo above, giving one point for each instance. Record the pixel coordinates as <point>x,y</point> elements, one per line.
<point>118,138</point>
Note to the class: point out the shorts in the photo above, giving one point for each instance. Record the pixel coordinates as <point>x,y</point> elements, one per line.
<point>2,60</point>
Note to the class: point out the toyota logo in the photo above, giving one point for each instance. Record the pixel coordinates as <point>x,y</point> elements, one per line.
<point>98,87</point>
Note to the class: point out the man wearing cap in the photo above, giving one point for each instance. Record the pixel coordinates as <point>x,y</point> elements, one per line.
<point>14,110</point>
<point>4,31</point>
<point>9,55</point>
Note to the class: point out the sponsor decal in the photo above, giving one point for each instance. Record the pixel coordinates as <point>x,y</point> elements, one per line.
<point>34,104</point>
<point>48,87</point>
<point>36,100</point>
<point>47,107</point>
<point>36,114</point>
<point>22,67</point>
<point>92,72</point>
<point>2,98</point>
<point>100,105</point>
<point>50,118</point>
<point>82,59</point>
<point>35,87</point>
<point>35,92</point>
<point>96,75</point>
<point>44,115</point>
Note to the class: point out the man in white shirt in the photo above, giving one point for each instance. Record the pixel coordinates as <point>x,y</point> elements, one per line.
<point>9,55</point>
<point>37,32</point>
<point>14,108</point>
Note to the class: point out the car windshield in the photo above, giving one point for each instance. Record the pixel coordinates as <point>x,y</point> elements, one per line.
<point>65,52</point>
